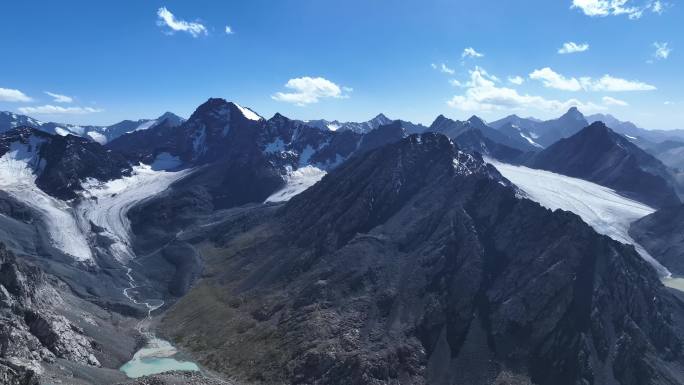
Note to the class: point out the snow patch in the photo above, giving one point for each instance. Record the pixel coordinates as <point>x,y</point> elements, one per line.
<point>305,156</point>
<point>296,182</point>
<point>61,132</point>
<point>247,113</point>
<point>531,141</point>
<point>96,136</point>
<point>276,146</point>
<point>145,125</point>
<point>608,212</point>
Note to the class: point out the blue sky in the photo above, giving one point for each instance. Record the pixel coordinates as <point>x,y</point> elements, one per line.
<point>346,60</point>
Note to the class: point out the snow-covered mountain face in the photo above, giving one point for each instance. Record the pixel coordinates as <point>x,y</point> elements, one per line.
<point>99,134</point>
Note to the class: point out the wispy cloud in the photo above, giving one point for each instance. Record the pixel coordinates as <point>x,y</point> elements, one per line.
<point>58,98</point>
<point>166,18</point>
<point>658,7</point>
<point>606,83</point>
<point>517,80</point>
<point>57,110</point>
<point>308,90</point>
<point>471,52</point>
<point>229,30</point>
<point>633,9</point>
<point>610,101</point>
<point>483,94</point>
<point>442,67</point>
<point>662,51</point>
<point>12,95</point>
<point>572,47</point>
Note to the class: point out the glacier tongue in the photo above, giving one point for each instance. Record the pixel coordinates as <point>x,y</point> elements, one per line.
<point>107,204</point>
<point>602,208</point>
<point>18,178</point>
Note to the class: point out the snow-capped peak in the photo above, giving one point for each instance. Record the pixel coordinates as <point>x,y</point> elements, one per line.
<point>248,113</point>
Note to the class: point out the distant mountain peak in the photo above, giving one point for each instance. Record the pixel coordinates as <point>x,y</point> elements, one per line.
<point>476,121</point>
<point>574,113</point>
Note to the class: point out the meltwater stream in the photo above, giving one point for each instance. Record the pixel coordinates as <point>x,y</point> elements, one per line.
<point>157,356</point>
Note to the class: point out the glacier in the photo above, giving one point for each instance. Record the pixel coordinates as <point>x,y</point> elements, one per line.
<point>608,212</point>
<point>106,204</point>
<point>18,175</point>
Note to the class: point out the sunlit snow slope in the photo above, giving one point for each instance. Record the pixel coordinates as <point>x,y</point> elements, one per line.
<point>602,208</point>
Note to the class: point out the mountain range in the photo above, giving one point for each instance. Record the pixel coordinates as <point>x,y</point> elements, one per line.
<point>282,251</point>
<point>100,134</point>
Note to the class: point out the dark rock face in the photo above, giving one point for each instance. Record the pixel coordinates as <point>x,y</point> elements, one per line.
<point>662,234</point>
<point>30,330</point>
<point>473,141</point>
<point>415,263</point>
<point>62,162</point>
<point>599,155</point>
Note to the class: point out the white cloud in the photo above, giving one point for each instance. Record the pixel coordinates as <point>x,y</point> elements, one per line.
<point>309,90</point>
<point>662,51</point>
<point>166,18</point>
<point>572,47</point>
<point>552,79</point>
<point>606,83</point>
<point>612,84</point>
<point>633,9</point>
<point>229,30</point>
<point>484,95</point>
<point>517,80</point>
<point>609,101</point>
<point>57,98</point>
<point>455,83</point>
<point>12,95</point>
<point>57,110</point>
<point>471,52</point>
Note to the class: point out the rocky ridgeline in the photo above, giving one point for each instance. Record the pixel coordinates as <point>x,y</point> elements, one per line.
<point>31,330</point>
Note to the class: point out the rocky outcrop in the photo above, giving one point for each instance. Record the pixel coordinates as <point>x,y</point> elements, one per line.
<point>12,374</point>
<point>417,264</point>
<point>662,234</point>
<point>31,331</point>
